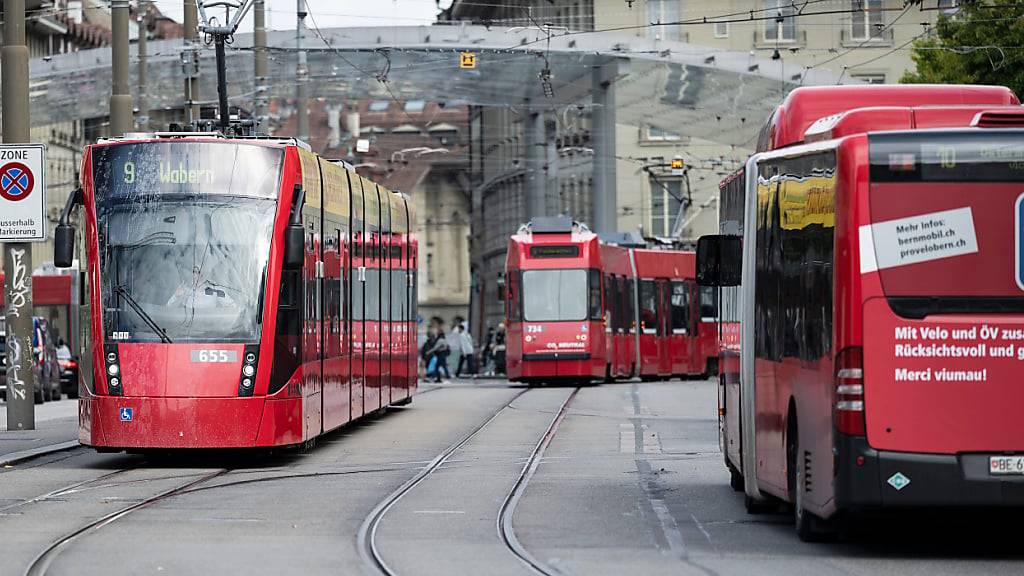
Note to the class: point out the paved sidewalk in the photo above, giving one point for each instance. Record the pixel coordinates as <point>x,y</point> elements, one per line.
<point>56,426</point>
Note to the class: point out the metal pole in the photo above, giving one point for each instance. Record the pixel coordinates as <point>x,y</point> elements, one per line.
<point>604,191</point>
<point>259,40</point>
<point>120,97</point>
<point>536,179</point>
<point>301,73</point>
<point>18,255</point>
<point>191,26</point>
<point>222,86</point>
<point>143,117</point>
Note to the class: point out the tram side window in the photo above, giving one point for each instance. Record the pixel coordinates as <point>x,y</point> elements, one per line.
<point>512,296</point>
<point>594,299</point>
<point>648,305</point>
<point>399,292</point>
<point>708,302</point>
<point>358,289</point>
<point>628,304</point>
<point>680,303</point>
<point>611,302</point>
<point>372,303</point>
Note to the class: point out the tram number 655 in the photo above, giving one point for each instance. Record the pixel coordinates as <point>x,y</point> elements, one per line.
<point>225,356</point>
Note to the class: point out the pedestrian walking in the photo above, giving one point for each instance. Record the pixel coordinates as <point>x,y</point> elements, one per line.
<point>465,345</point>
<point>455,359</point>
<point>487,353</point>
<point>439,353</point>
<point>499,349</point>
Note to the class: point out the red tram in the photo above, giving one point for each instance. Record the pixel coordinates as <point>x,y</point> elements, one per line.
<point>244,293</point>
<point>579,309</point>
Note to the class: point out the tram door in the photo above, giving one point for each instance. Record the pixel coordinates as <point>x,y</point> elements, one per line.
<point>683,327</point>
<point>358,298</point>
<point>664,335</point>
<point>312,331</point>
<point>384,336</point>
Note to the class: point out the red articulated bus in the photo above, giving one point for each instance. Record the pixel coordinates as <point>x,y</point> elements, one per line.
<point>244,293</point>
<point>871,282</point>
<point>579,309</point>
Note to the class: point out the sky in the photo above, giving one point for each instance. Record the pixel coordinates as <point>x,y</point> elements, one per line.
<point>335,13</point>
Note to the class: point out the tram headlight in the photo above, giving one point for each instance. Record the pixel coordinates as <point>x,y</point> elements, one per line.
<point>248,371</point>
<point>247,383</point>
<point>114,382</point>
<point>113,369</point>
<point>111,358</point>
<point>250,358</point>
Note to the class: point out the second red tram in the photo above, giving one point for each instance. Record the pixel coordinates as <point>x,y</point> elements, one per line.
<point>244,293</point>
<point>579,309</point>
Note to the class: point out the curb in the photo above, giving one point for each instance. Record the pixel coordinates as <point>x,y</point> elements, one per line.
<point>16,457</point>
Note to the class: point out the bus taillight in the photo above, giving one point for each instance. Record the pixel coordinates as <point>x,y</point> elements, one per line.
<point>849,407</point>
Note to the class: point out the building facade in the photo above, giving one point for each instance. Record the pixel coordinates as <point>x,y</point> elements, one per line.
<point>418,148</point>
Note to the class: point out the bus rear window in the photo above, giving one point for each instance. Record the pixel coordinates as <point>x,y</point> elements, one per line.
<point>944,220</point>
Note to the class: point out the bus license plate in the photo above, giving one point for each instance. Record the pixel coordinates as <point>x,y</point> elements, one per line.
<point>1005,465</point>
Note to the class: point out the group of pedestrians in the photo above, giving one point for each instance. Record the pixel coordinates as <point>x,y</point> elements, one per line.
<point>440,351</point>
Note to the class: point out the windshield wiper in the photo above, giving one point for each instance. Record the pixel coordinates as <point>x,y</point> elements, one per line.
<point>142,314</point>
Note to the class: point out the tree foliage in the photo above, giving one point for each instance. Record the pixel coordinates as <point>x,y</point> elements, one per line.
<point>982,43</point>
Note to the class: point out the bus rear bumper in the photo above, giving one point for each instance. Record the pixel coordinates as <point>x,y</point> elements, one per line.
<point>886,479</point>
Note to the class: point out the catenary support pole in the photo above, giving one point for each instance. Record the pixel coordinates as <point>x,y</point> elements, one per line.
<point>603,117</point>
<point>301,73</point>
<point>259,39</point>
<point>536,157</point>
<point>191,29</point>
<point>17,255</point>
<point>222,88</point>
<point>120,97</point>
<point>143,116</point>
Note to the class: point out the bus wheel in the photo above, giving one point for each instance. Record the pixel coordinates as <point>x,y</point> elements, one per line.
<point>759,506</point>
<point>735,480</point>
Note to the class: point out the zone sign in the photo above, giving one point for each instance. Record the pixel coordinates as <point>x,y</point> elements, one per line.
<point>22,193</point>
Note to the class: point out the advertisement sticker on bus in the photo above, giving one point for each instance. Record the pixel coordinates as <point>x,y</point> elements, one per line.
<point>1018,239</point>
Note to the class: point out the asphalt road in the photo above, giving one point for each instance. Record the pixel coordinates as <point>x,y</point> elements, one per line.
<point>628,479</point>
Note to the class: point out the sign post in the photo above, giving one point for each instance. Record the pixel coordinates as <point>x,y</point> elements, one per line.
<point>23,184</point>
<point>22,220</point>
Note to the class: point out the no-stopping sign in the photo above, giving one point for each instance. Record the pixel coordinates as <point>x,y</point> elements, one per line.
<point>22,193</point>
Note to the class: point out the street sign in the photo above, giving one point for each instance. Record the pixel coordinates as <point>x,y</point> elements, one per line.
<point>677,166</point>
<point>22,193</point>
<point>467,60</point>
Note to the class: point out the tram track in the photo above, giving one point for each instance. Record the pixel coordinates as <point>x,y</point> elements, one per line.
<point>366,537</point>
<point>508,507</point>
<point>44,559</point>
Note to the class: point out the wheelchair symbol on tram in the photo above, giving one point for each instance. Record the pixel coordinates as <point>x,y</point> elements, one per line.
<point>127,414</point>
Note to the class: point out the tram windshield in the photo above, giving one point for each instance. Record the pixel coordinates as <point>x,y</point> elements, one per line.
<point>184,237</point>
<point>551,295</point>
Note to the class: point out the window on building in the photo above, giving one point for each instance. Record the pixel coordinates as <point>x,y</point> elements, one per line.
<point>865,18</point>
<point>663,11</point>
<point>721,29</point>
<point>415,106</point>
<point>782,28</point>
<point>379,106</point>
<point>655,134</point>
<point>870,78</point>
<point>665,195</point>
